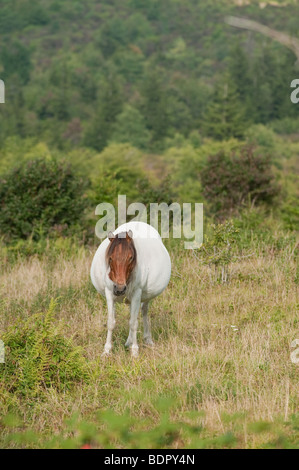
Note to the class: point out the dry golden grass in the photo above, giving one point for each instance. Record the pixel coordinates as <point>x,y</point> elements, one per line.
<point>219,348</point>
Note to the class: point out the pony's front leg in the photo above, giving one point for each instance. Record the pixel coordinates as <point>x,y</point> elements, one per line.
<point>110,322</point>
<point>135,306</point>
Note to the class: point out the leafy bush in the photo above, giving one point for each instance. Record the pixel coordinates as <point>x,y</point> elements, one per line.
<point>217,250</point>
<point>159,193</point>
<point>230,181</point>
<point>287,125</point>
<point>258,134</point>
<point>38,356</point>
<point>40,196</point>
<point>110,430</point>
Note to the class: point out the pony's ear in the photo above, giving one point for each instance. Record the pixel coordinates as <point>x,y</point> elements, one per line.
<point>130,234</point>
<point>111,236</point>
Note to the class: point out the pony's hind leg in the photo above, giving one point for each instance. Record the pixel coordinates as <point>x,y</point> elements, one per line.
<point>146,326</point>
<point>128,343</point>
<point>135,307</point>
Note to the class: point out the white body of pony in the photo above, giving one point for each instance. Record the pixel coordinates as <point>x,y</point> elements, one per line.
<point>147,279</point>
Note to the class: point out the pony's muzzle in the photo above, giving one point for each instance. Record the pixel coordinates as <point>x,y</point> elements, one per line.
<point>119,290</point>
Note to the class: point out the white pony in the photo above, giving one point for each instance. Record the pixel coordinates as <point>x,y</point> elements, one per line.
<point>132,264</point>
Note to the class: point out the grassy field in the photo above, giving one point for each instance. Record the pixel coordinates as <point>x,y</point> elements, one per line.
<point>220,374</point>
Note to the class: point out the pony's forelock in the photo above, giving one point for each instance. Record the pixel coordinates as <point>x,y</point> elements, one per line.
<point>120,239</point>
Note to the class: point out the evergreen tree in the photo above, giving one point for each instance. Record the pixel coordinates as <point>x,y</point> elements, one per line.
<point>109,105</point>
<point>224,117</point>
<point>130,127</point>
<point>265,69</point>
<point>154,106</point>
<point>239,68</point>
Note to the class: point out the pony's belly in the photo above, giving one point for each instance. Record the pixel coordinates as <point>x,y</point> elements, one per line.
<point>156,272</point>
<point>148,294</point>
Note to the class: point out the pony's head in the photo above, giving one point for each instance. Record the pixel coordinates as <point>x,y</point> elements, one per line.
<point>121,258</point>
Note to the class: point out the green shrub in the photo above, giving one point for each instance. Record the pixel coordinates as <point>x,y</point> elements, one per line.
<point>258,134</point>
<point>285,126</point>
<point>231,181</point>
<point>40,196</point>
<point>158,193</point>
<point>38,356</point>
<point>217,250</point>
<point>290,213</point>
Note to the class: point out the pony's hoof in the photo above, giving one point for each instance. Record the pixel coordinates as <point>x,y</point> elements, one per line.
<point>149,342</point>
<point>106,353</point>
<point>128,343</point>
<point>134,351</point>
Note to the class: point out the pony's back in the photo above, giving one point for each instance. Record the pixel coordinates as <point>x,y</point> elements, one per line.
<point>139,229</point>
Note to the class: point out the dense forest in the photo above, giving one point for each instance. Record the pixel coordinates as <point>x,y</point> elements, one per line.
<point>95,72</point>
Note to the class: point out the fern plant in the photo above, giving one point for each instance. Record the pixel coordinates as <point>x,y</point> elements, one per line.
<point>38,356</point>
